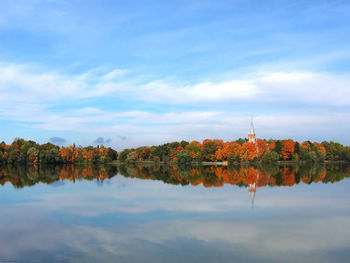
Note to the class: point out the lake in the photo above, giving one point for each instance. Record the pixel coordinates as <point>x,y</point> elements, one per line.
<point>175,214</point>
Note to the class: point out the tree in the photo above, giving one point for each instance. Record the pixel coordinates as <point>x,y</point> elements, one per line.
<point>231,158</point>
<point>242,141</point>
<point>184,158</point>
<point>287,149</point>
<point>14,156</point>
<point>112,154</point>
<point>347,154</point>
<point>183,144</point>
<point>261,147</point>
<point>297,148</point>
<point>249,151</point>
<point>123,155</point>
<point>33,155</point>
<point>334,151</point>
<point>270,157</point>
<point>209,149</point>
<point>278,148</point>
<point>194,150</point>
<point>131,158</point>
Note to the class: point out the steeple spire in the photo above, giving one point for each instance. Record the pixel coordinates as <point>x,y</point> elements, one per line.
<point>251,135</point>
<point>252,126</point>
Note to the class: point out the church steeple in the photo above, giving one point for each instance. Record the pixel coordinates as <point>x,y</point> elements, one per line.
<point>251,135</point>
<point>252,126</point>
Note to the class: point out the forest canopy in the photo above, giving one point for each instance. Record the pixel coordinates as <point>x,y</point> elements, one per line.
<point>241,150</point>
<point>30,152</point>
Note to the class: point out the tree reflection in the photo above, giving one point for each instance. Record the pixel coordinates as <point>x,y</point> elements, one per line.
<point>21,176</point>
<point>242,176</point>
<point>208,176</point>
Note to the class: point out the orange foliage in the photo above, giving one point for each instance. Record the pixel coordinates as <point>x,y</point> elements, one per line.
<point>320,147</point>
<point>262,147</point>
<point>249,151</point>
<point>194,149</point>
<point>306,145</point>
<point>287,149</point>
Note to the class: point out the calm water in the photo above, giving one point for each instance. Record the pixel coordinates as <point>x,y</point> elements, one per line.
<point>169,214</point>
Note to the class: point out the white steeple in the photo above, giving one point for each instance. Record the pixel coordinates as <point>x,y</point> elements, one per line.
<point>251,135</point>
<point>252,126</point>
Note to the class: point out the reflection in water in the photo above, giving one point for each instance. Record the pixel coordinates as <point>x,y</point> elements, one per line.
<point>21,176</point>
<point>209,176</point>
<point>126,220</point>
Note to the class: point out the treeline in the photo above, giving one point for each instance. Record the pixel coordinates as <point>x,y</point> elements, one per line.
<point>21,151</point>
<point>267,151</point>
<point>238,151</point>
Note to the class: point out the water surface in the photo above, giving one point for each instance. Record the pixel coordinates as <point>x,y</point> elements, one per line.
<point>174,214</point>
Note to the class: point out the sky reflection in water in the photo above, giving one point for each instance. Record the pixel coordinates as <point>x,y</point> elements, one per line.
<point>132,220</point>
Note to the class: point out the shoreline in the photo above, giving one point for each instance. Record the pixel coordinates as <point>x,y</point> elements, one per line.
<point>225,163</point>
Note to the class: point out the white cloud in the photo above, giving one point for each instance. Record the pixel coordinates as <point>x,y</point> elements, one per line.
<point>144,128</point>
<point>114,74</point>
<point>21,83</point>
<point>25,84</point>
<point>201,92</point>
<point>39,99</point>
<point>306,87</point>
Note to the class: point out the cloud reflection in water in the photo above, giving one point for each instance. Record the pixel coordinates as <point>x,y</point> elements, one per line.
<point>132,220</point>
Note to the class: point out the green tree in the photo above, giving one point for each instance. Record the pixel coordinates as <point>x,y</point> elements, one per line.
<point>123,155</point>
<point>184,158</point>
<point>131,158</point>
<point>297,148</point>
<point>278,148</point>
<point>14,156</point>
<point>242,141</point>
<point>33,155</point>
<point>270,157</point>
<point>209,150</point>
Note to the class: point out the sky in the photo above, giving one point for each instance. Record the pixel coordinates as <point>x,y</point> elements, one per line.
<point>133,73</point>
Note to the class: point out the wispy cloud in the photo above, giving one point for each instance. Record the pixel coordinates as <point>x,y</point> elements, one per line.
<point>38,99</point>
<point>19,83</point>
<point>23,84</point>
<point>265,87</point>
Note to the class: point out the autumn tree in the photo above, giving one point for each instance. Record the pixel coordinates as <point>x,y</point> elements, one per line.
<point>287,150</point>
<point>249,151</point>
<point>209,149</point>
<point>261,148</point>
<point>184,158</point>
<point>194,150</point>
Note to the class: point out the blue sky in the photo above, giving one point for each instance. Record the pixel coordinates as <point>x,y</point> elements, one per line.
<point>147,72</point>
